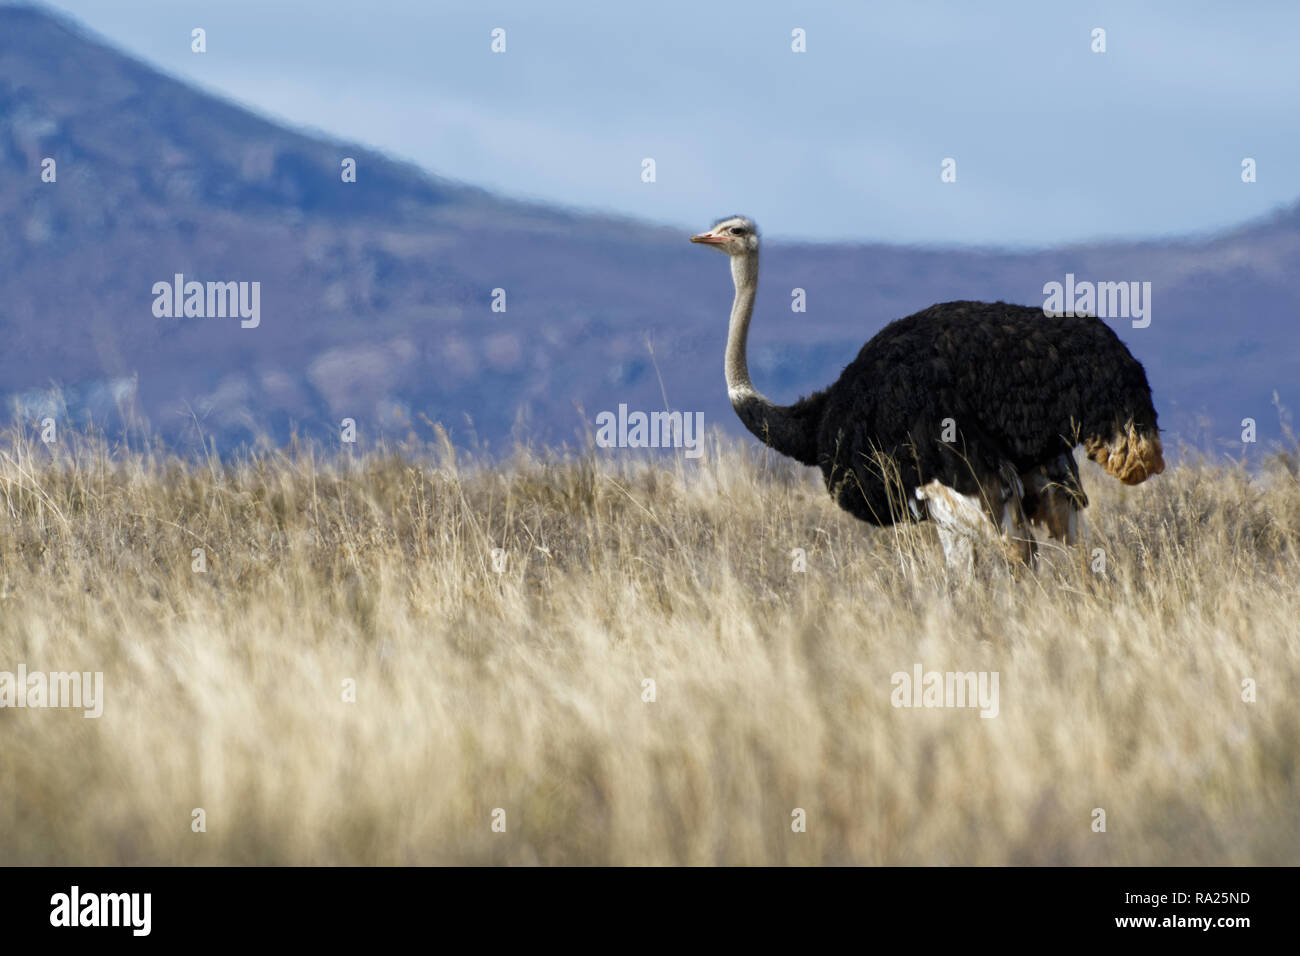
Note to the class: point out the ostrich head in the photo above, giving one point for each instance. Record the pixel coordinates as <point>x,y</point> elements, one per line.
<point>736,236</point>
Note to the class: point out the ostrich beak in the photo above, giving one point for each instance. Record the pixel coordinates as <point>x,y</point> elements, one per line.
<point>709,238</point>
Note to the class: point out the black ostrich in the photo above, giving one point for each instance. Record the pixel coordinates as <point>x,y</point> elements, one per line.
<point>963,412</point>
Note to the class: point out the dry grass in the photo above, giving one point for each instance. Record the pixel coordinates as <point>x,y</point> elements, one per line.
<point>523,689</point>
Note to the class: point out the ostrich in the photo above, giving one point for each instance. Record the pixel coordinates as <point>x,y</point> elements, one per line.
<point>964,413</point>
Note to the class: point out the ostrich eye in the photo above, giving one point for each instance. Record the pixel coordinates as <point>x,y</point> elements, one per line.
<point>737,230</point>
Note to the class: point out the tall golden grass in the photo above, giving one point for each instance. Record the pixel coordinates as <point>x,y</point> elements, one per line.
<point>522,689</point>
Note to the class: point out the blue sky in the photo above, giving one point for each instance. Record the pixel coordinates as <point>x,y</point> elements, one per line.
<point>1053,142</point>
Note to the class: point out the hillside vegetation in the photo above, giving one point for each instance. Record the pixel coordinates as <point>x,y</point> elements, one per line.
<point>515,679</point>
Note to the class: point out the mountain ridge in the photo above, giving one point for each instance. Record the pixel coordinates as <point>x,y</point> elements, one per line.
<point>377,295</point>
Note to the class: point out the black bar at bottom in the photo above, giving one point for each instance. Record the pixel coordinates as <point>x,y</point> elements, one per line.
<point>335,905</point>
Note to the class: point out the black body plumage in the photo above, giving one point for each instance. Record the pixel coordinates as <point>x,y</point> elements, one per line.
<point>964,392</point>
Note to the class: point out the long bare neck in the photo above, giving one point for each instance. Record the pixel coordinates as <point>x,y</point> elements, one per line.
<point>744,273</point>
<point>791,429</point>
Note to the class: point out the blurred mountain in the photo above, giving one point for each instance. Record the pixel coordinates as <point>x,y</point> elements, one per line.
<point>376,296</point>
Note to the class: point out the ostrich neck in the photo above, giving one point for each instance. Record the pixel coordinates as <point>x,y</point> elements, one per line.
<point>791,430</point>
<point>744,273</point>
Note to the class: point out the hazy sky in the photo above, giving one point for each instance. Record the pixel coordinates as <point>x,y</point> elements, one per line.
<point>1052,141</point>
